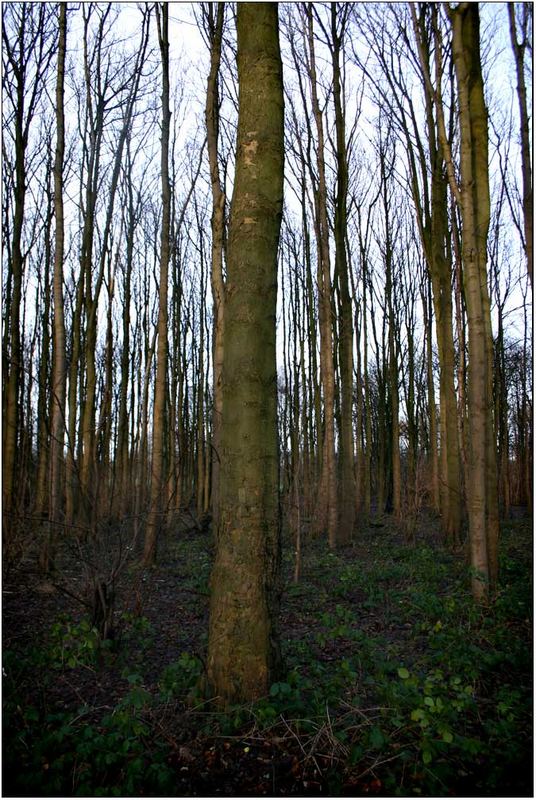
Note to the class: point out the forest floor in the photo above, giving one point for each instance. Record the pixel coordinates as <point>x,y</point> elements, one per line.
<point>396,683</point>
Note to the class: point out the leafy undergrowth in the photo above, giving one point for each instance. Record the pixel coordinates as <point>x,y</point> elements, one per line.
<point>396,683</point>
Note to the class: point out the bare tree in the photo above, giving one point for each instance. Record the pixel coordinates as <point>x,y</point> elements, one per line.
<point>521,42</point>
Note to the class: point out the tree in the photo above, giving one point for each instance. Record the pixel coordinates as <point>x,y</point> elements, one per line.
<point>327,495</point>
<point>243,650</point>
<point>519,48</point>
<point>159,411</point>
<point>433,225</point>
<point>339,16</point>
<point>214,29</point>
<point>57,432</point>
<point>474,200</point>
<point>28,47</point>
<point>428,189</point>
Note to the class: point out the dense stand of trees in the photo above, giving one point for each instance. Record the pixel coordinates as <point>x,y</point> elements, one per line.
<point>404,273</point>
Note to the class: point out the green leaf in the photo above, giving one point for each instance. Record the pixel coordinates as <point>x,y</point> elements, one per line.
<point>447,737</point>
<point>356,754</point>
<point>429,701</point>
<point>31,714</point>
<point>403,673</point>
<point>377,739</point>
<point>426,756</point>
<point>138,697</point>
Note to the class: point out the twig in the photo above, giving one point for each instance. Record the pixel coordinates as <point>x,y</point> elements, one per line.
<point>377,763</point>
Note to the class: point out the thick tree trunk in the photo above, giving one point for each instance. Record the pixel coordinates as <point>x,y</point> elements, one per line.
<point>475,208</point>
<point>243,650</point>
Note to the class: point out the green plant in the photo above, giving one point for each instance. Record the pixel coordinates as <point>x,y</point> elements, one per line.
<point>180,677</point>
<point>73,644</point>
<point>64,753</point>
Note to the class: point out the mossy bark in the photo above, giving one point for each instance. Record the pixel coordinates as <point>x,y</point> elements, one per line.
<point>243,650</point>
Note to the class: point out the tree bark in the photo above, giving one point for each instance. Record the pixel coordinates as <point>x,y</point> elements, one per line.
<point>243,649</point>
<point>526,167</point>
<point>346,367</point>
<point>327,495</point>
<point>433,228</point>
<point>212,110</point>
<point>475,210</point>
<point>59,375</point>
<point>159,410</point>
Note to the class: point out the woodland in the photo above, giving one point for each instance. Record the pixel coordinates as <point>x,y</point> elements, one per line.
<point>267,423</point>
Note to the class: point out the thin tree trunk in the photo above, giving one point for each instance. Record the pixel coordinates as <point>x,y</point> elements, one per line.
<point>11,399</point>
<point>215,26</point>
<point>123,476</point>
<point>59,367</point>
<point>42,505</point>
<point>159,410</point>
<point>327,495</point>
<point>346,367</point>
<point>526,167</point>
<point>432,417</point>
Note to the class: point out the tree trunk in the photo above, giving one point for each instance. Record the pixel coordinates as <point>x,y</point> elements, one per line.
<point>432,416</point>
<point>122,459</point>
<point>327,495</point>
<point>159,409</point>
<point>218,227</point>
<point>42,506</point>
<point>346,367</point>
<point>434,235</point>
<point>526,168</point>
<point>11,399</point>
<point>59,375</point>
<point>243,649</point>
<point>475,209</point>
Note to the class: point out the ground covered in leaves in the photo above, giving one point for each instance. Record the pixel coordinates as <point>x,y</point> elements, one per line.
<point>396,683</point>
